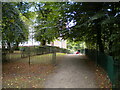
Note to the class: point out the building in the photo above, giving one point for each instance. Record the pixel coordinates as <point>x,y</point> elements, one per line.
<point>59,43</point>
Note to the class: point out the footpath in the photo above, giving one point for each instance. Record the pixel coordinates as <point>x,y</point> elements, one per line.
<point>72,71</point>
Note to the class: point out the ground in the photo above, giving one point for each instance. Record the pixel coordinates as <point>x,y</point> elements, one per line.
<point>71,71</point>
<point>19,74</point>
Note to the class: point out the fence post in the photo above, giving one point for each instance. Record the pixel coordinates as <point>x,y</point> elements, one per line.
<point>29,52</point>
<point>54,57</point>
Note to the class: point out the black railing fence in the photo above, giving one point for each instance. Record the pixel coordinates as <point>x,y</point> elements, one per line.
<point>27,51</point>
<point>111,66</point>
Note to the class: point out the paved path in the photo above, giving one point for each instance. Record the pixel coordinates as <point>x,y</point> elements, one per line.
<point>72,72</point>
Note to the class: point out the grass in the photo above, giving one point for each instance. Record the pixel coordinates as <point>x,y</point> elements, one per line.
<point>12,57</point>
<point>37,59</point>
<point>40,59</point>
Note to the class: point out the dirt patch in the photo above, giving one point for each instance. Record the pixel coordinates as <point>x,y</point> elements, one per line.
<point>101,76</point>
<point>23,75</point>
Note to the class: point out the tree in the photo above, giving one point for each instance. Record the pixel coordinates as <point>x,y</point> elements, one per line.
<point>14,28</point>
<point>75,46</point>
<point>95,23</point>
<point>49,16</point>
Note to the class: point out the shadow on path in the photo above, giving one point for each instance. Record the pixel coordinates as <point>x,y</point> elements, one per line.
<point>72,72</point>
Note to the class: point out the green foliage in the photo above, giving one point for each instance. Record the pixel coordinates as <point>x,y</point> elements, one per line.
<point>15,29</point>
<point>74,46</point>
<point>48,19</point>
<point>96,24</point>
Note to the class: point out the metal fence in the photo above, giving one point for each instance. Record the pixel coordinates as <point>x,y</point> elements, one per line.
<point>111,66</point>
<point>30,51</point>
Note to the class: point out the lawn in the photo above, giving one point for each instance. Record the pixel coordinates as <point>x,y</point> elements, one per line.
<point>40,59</point>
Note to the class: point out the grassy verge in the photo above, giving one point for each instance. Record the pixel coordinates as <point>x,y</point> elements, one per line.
<point>12,57</point>
<point>40,59</point>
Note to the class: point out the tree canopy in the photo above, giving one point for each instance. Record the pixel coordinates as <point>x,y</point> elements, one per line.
<point>98,24</point>
<point>95,23</point>
<point>14,27</point>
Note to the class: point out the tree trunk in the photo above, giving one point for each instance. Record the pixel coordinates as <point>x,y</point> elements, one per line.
<point>17,44</point>
<point>43,42</point>
<point>9,47</point>
<point>99,40</point>
<point>111,42</point>
<point>110,47</point>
